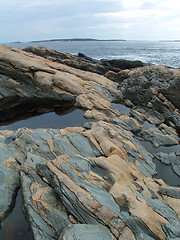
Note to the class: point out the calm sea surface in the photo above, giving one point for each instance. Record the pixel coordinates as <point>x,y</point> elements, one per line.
<point>159,53</point>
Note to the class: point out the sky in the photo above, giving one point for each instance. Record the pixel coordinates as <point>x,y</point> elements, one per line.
<point>27,20</point>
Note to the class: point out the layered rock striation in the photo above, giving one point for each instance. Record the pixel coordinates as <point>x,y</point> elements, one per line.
<point>98,180</point>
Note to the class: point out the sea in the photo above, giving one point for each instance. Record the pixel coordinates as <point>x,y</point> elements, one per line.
<point>152,52</point>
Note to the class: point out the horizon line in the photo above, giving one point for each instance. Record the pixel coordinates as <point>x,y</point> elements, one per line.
<point>89,39</point>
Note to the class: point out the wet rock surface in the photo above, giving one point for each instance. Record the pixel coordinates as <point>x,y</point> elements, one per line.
<point>97,180</point>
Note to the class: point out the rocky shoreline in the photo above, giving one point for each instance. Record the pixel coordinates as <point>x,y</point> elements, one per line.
<point>97,180</point>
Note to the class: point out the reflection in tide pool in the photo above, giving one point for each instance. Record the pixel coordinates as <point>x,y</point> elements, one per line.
<point>50,120</point>
<point>152,149</point>
<point>164,172</point>
<point>14,227</point>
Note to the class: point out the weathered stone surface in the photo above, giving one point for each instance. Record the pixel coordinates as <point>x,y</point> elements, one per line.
<point>81,231</point>
<point>9,183</point>
<point>94,181</point>
<point>145,86</point>
<point>122,64</point>
<point>172,93</point>
<point>83,62</point>
<point>79,62</point>
<point>9,177</point>
<point>117,76</point>
<point>44,210</point>
<point>157,138</point>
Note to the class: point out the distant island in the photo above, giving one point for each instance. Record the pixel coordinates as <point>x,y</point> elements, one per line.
<point>78,39</point>
<point>170,41</point>
<point>86,40</point>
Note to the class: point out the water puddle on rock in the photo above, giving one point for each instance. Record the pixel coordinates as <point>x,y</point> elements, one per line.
<point>164,172</point>
<point>121,108</point>
<point>50,120</point>
<point>32,113</point>
<point>14,226</point>
<point>35,113</point>
<point>152,149</point>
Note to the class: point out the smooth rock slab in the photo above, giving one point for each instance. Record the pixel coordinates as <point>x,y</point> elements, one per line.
<point>158,139</point>
<point>45,212</point>
<point>9,183</point>
<point>87,231</point>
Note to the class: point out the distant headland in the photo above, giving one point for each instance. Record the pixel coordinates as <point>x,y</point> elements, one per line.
<point>78,39</point>
<point>170,41</point>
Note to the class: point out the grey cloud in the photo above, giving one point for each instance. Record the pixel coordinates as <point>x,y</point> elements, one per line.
<point>22,20</point>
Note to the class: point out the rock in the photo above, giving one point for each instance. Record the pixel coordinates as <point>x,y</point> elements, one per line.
<point>117,76</point>
<point>170,191</point>
<point>137,91</point>
<point>83,62</point>
<point>88,231</point>
<point>171,118</point>
<point>172,92</point>
<point>9,177</point>
<point>43,209</point>
<point>158,139</point>
<point>122,64</point>
<point>96,180</point>
<point>81,55</point>
<point>9,183</point>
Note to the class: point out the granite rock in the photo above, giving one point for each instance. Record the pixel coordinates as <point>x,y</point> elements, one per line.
<point>88,231</point>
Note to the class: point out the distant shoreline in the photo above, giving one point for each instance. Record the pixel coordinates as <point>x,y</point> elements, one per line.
<point>78,40</point>
<point>169,40</point>
<point>88,40</point>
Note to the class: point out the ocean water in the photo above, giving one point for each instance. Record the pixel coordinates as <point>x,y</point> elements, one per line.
<point>154,52</point>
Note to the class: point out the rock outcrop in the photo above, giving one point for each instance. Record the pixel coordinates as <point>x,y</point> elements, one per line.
<point>97,180</point>
<point>83,62</point>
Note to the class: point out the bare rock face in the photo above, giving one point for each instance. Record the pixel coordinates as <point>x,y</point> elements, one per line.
<point>79,62</point>
<point>99,180</point>
<point>83,62</point>
<point>172,93</point>
<point>81,231</point>
<point>122,64</point>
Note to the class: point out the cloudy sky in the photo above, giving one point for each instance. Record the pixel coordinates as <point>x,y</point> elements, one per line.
<point>26,20</point>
